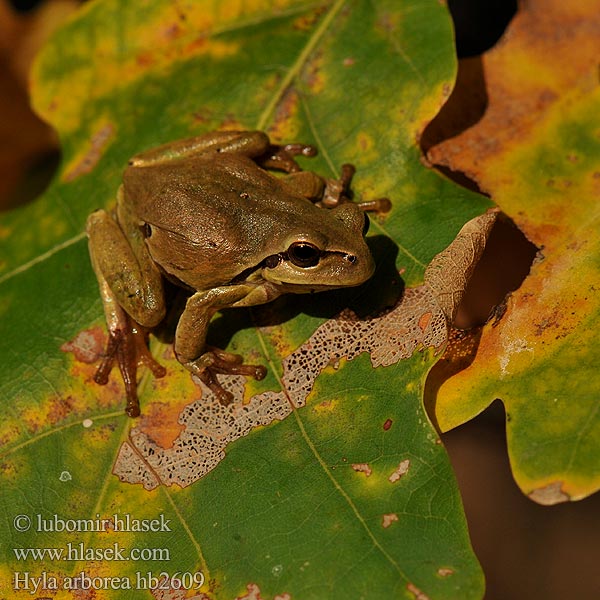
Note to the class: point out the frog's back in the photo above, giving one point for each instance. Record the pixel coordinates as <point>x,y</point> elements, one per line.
<point>214,216</point>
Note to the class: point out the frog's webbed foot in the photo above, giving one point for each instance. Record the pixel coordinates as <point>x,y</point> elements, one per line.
<point>128,346</point>
<point>281,158</point>
<point>337,191</point>
<point>218,362</point>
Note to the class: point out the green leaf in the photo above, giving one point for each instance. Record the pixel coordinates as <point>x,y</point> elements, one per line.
<point>350,492</point>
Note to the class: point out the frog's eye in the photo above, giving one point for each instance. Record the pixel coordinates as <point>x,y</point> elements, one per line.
<point>304,254</point>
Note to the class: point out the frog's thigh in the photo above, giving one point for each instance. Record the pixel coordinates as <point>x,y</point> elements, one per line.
<point>249,143</point>
<point>117,269</point>
<point>190,337</point>
<point>114,314</point>
<point>151,278</point>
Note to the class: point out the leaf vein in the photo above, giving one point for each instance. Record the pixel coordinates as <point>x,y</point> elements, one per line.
<point>295,69</point>
<point>42,257</point>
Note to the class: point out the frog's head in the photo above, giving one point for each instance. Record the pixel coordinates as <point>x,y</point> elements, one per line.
<point>331,255</point>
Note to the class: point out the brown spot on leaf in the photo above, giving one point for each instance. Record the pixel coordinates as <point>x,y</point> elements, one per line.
<point>549,494</point>
<point>161,424</point>
<point>400,471</point>
<point>145,59</point>
<point>50,412</point>
<point>253,593</point>
<point>387,22</point>
<point>326,405</point>
<point>388,519</point>
<point>445,572</point>
<point>58,409</point>
<point>387,424</point>
<point>173,31</point>
<point>424,321</point>
<point>284,116</point>
<point>362,468</point>
<point>308,20</point>
<point>80,594</point>
<point>88,161</point>
<point>87,346</point>
<point>416,592</point>
<point>313,73</point>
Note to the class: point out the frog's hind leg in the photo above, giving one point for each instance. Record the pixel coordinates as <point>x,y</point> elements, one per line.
<point>114,262</point>
<point>248,143</point>
<point>120,256</point>
<point>127,345</point>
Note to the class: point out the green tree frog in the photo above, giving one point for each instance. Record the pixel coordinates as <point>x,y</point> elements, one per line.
<point>207,214</point>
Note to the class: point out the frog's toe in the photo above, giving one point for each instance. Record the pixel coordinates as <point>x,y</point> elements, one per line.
<point>218,362</point>
<point>208,377</point>
<point>260,372</point>
<point>224,356</point>
<point>128,347</point>
<point>282,157</point>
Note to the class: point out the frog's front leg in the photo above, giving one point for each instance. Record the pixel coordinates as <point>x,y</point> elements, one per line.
<point>132,295</point>
<point>190,337</point>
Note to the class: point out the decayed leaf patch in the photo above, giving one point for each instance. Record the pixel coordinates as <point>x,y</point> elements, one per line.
<point>418,321</point>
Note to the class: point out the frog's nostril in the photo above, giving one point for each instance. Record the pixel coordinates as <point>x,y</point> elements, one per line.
<point>350,258</point>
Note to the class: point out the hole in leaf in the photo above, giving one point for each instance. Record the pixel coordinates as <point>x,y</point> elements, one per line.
<point>479,25</point>
<point>503,266</point>
<point>463,109</point>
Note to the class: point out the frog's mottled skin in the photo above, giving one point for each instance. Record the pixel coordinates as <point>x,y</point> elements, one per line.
<point>206,214</point>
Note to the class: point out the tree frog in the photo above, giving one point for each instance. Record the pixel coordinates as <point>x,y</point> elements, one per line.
<point>208,214</point>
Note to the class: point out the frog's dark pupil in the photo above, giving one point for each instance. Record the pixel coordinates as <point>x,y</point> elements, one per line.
<point>303,254</point>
